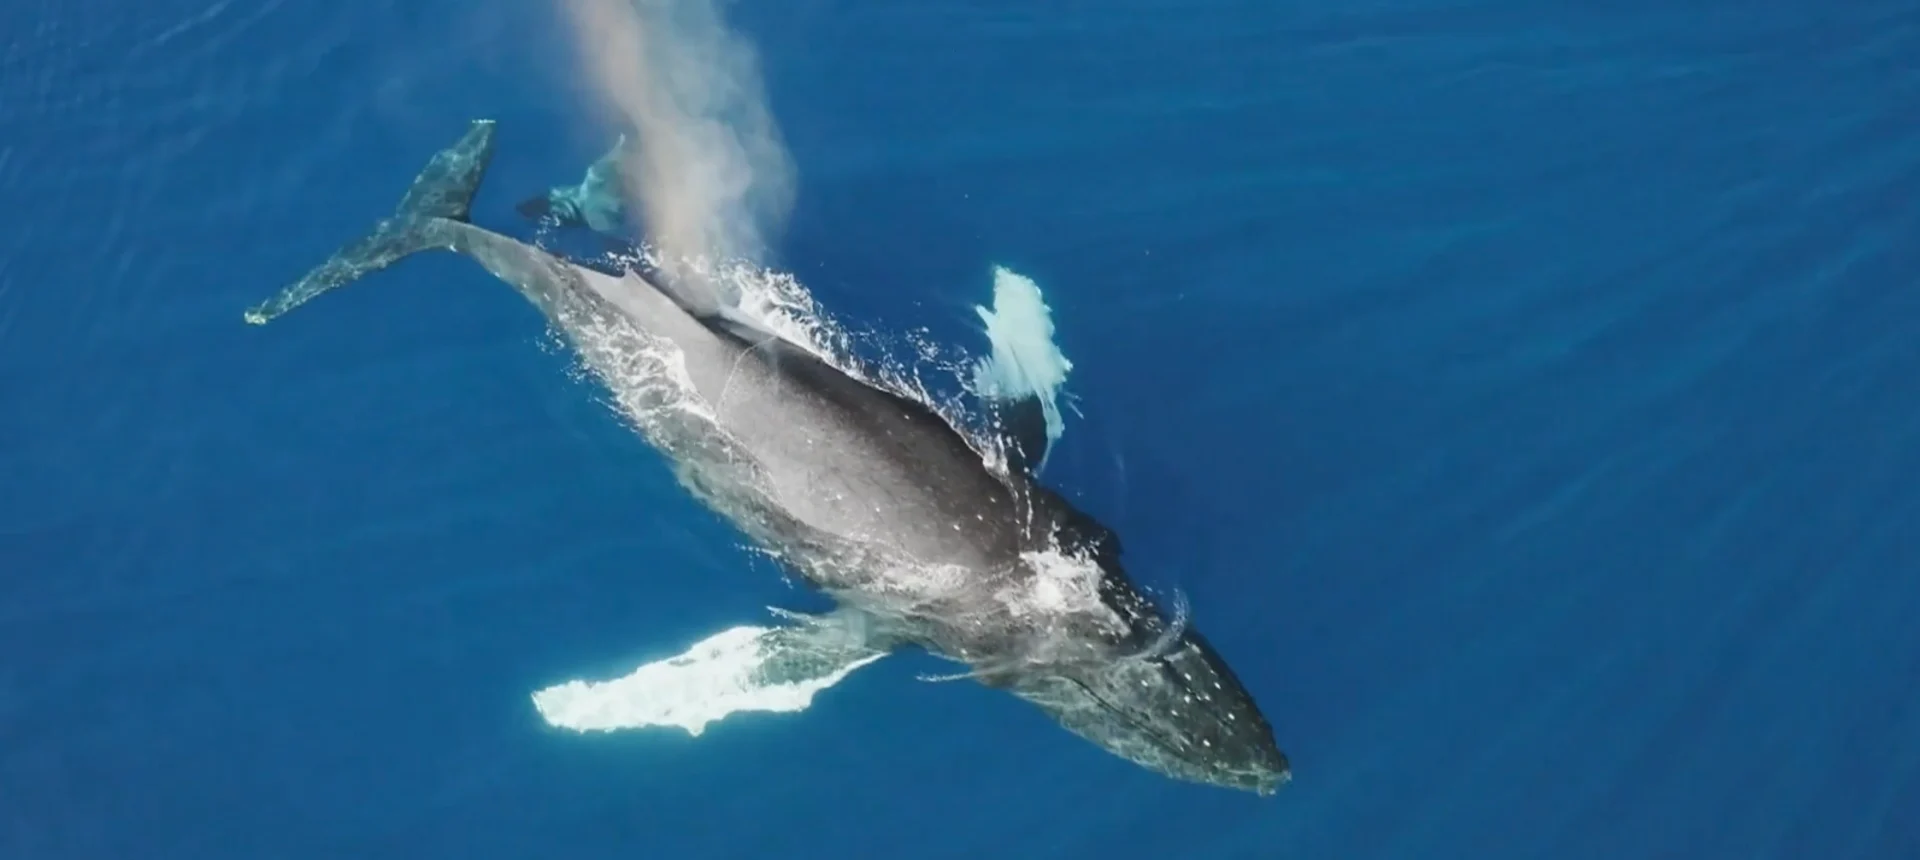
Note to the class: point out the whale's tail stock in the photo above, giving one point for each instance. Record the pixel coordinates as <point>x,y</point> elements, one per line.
<point>441,195</point>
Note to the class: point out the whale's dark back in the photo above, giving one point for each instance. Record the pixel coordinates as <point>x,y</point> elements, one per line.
<point>1157,694</point>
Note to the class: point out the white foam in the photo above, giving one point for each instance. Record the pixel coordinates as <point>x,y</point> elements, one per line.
<point>741,669</point>
<point>1062,585</point>
<point>1025,360</point>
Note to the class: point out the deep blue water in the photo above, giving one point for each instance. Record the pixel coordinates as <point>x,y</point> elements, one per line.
<point>1527,397</point>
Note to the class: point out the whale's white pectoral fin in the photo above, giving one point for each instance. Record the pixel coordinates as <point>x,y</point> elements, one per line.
<point>746,668</point>
<point>1020,381</point>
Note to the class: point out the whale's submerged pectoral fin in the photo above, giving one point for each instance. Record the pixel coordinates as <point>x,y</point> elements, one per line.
<point>595,201</point>
<point>1020,382</point>
<point>746,668</point>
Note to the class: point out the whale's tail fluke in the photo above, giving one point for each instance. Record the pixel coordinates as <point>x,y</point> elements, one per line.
<point>442,193</point>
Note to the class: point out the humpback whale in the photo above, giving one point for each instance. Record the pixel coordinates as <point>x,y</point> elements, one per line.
<point>924,536</point>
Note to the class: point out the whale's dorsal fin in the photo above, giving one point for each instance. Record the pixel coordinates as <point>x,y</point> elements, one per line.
<point>728,319</point>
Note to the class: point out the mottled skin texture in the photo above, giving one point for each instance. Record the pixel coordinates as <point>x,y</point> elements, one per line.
<point>863,490</point>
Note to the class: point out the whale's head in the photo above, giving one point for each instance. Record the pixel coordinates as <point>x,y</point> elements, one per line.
<point>1180,712</point>
<point>1151,690</point>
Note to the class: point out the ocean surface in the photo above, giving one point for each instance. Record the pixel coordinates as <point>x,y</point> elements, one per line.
<point>1525,396</point>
